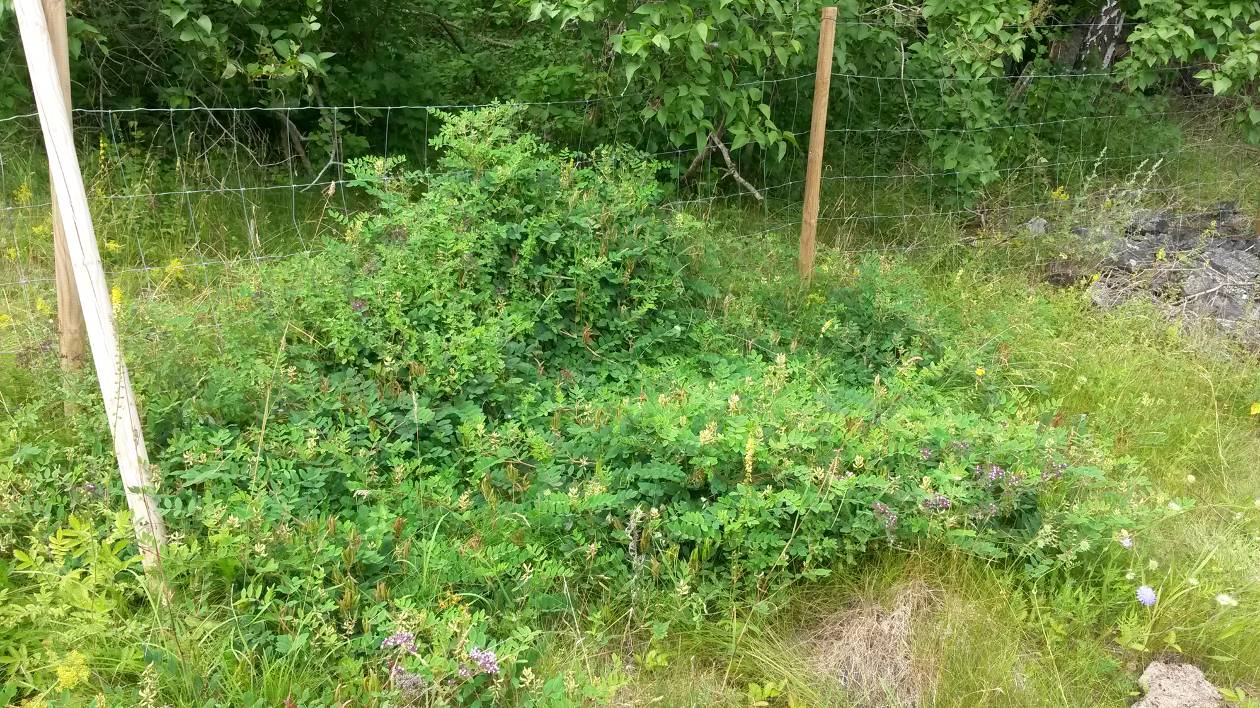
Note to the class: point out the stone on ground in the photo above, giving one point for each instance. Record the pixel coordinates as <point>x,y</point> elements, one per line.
<point>1170,685</point>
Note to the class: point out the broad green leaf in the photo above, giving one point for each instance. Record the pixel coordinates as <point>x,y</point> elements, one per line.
<point>177,14</point>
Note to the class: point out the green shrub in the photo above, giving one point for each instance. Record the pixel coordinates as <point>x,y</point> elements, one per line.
<point>505,399</point>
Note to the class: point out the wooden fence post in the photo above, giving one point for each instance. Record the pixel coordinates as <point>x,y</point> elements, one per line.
<point>70,327</point>
<point>817,137</point>
<point>89,279</point>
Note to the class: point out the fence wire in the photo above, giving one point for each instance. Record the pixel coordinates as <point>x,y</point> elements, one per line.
<point>187,199</point>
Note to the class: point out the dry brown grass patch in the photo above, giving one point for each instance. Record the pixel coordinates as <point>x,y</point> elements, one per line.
<point>867,648</point>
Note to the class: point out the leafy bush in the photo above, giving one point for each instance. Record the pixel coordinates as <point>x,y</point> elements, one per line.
<point>504,399</point>
<point>514,252</point>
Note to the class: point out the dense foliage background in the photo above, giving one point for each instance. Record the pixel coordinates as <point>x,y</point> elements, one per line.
<point>961,85</point>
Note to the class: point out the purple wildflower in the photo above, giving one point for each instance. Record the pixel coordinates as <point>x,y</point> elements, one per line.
<point>406,681</point>
<point>405,640</point>
<point>938,502</point>
<point>984,512</point>
<point>1056,470</point>
<point>485,659</point>
<point>89,488</point>
<point>926,453</point>
<point>1125,539</point>
<point>885,514</point>
<point>358,304</point>
<point>1146,595</point>
<point>465,672</point>
<point>993,473</point>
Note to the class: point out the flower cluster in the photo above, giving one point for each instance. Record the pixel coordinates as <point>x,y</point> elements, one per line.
<point>937,502</point>
<point>992,472</point>
<point>405,640</point>
<point>886,515</point>
<point>486,661</point>
<point>1146,595</point>
<point>406,681</point>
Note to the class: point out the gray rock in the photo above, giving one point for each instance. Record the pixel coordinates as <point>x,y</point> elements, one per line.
<point>1037,226</point>
<point>1107,295</point>
<point>1203,264</point>
<point>1177,686</point>
<point>1224,287</point>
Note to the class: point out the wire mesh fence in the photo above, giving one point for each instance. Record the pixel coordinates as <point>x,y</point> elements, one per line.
<point>183,198</point>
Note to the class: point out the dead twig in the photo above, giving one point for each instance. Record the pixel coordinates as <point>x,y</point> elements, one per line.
<point>731,171</point>
<point>296,140</point>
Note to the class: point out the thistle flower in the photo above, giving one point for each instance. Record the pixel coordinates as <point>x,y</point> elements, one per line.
<point>1146,595</point>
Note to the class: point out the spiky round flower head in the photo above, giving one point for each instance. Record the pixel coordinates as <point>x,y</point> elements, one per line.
<point>1125,539</point>
<point>1146,595</point>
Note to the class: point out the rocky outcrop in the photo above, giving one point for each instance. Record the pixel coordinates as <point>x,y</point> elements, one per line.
<point>1203,265</point>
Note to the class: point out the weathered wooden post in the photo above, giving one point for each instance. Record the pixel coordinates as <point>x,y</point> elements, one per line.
<point>89,279</point>
<point>817,137</point>
<point>70,327</point>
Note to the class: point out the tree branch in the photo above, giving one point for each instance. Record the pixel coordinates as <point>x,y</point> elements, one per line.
<point>730,168</point>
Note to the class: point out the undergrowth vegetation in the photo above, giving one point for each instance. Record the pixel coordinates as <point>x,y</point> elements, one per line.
<point>519,435</point>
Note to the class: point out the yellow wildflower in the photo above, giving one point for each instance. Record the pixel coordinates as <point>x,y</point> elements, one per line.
<point>115,297</point>
<point>42,306</point>
<point>175,269</point>
<point>72,671</point>
<point>23,194</point>
<point>1255,408</point>
<point>1059,194</point>
<point>980,371</point>
<point>112,246</point>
